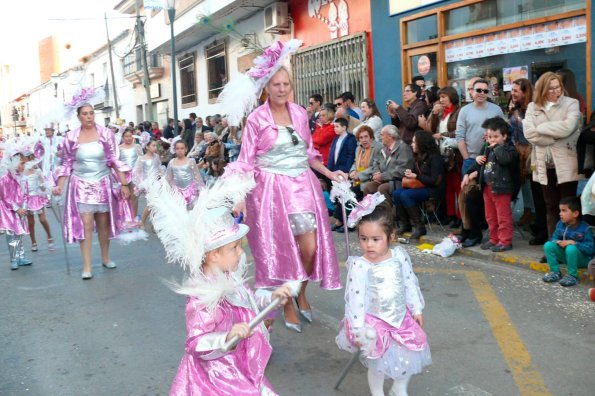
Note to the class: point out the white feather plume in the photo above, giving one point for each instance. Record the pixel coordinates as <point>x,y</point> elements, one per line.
<point>238,98</point>
<point>184,233</point>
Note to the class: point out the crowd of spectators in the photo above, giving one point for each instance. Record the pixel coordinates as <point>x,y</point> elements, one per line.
<point>469,163</point>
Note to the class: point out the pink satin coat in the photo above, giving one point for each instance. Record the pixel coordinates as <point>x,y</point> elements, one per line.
<point>72,222</point>
<point>11,198</point>
<point>239,372</point>
<point>272,243</point>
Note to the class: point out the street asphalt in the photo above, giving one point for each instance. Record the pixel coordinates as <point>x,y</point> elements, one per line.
<point>493,329</point>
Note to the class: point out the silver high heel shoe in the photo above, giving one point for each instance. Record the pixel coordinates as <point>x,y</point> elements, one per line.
<point>297,327</point>
<point>304,313</point>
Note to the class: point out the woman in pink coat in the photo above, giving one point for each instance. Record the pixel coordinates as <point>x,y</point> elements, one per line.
<point>291,237</point>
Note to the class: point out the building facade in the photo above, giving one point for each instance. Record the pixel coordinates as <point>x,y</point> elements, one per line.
<point>449,42</point>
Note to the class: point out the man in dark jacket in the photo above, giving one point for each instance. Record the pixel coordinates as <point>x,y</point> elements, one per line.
<point>406,119</point>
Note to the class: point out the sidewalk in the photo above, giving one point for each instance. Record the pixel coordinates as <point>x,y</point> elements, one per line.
<point>522,254</point>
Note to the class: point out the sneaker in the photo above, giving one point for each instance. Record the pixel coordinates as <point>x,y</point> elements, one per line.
<point>568,280</point>
<point>23,262</point>
<point>501,248</point>
<point>14,265</point>
<point>552,277</point>
<point>487,245</point>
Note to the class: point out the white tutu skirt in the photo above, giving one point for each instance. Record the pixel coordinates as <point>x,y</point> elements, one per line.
<point>396,353</point>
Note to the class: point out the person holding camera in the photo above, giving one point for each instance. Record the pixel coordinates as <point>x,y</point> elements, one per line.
<point>406,119</point>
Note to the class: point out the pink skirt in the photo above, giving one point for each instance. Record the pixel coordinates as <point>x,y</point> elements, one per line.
<point>36,203</point>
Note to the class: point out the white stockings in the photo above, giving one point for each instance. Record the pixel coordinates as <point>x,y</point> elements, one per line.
<point>376,382</point>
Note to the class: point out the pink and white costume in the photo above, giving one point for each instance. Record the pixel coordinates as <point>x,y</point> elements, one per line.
<point>12,199</point>
<point>144,169</point>
<point>89,166</point>
<point>287,200</point>
<point>35,191</point>
<point>129,156</point>
<point>382,297</point>
<point>185,179</point>
<point>205,369</point>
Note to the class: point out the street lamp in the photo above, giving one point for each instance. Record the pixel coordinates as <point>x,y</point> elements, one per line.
<point>15,118</point>
<point>171,13</point>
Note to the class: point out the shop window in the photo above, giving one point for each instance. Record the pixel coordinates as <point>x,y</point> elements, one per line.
<point>187,68</point>
<point>422,29</point>
<point>216,56</point>
<point>492,13</point>
<point>501,70</point>
<point>326,71</point>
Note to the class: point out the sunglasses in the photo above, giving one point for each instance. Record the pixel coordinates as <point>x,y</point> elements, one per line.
<point>484,91</point>
<point>294,138</point>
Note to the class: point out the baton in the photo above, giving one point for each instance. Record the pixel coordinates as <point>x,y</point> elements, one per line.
<point>344,213</point>
<point>59,218</point>
<point>253,323</point>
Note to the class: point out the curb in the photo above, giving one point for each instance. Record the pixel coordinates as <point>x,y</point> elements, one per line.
<point>509,259</point>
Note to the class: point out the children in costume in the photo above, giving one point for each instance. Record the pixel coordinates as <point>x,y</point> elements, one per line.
<point>182,173</point>
<point>205,240</point>
<point>130,152</point>
<point>13,207</point>
<point>36,189</point>
<point>148,166</point>
<point>383,303</point>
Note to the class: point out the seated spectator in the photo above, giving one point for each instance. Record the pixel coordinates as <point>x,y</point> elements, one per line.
<point>199,143</point>
<point>371,118</point>
<point>323,135</point>
<point>215,168</point>
<point>350,106</point>
<point>429,170</point>
<point>497,171</point>
<point>389,166</point>
<point>367,150</point>
<point>341,157</point>
<point>442,124</point>
<point>406,119</point>
<point>571,244</point>
<point>234,143</point>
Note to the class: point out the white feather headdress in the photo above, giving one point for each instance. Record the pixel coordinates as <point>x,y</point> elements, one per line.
<point>240,95</point>
<point>188,235</point>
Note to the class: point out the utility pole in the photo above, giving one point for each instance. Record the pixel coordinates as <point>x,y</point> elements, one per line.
<point>111,66</point>
<point>140,29</point>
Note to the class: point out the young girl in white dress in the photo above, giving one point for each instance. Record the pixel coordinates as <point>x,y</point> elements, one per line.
<point>35,191</point>
<point>182,173</point>
<point>148,166</point>
<point>383,303</point>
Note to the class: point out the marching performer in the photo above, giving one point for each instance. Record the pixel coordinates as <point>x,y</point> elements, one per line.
<point>13,208</point>
<point>205,240</point>
<point>147,166</point>
<point>51,145</point>
<point>130,151</point>
<point>182,172</point>
<point>36,190</point>
<point>291,237</point>
<point>89,155</point>
<point>383,303</point>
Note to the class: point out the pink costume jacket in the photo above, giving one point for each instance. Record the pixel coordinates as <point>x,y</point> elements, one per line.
<point>205,369</point>
<point>11,199</point>
<point>268,206</point>
<point>72,222</point>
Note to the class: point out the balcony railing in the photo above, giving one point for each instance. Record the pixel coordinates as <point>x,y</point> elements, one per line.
<point>133,67</point>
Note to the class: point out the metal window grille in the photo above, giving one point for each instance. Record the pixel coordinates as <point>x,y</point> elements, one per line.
<point>331,69</point>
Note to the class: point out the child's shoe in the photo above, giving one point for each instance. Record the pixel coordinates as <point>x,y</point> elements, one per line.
<point>568,280</point>
<point>14,265</point>
<point>552,277</point>
<point>24,261</point>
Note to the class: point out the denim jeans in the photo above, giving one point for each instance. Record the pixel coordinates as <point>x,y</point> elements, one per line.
<point>408,197</point>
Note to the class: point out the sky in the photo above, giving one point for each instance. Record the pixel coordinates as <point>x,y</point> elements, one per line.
<point>79,23</point>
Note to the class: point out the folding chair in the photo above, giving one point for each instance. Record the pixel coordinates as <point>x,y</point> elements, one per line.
<point>430,209</point>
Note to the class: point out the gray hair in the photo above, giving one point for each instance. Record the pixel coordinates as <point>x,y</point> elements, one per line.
<point>392,131</point>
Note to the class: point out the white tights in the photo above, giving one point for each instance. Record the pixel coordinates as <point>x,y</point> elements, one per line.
<point>376,382</point>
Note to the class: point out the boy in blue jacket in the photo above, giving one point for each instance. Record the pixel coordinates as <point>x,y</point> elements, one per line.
<point>571,243</point>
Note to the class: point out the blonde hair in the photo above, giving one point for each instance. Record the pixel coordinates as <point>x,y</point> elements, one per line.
<point>289,75</point>
<point>543,85</point>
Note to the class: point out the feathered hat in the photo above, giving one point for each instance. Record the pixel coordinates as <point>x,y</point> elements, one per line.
<point>84,96</point>
<point>188,235</point>
<point>240,95</point>
<point>25,146</point>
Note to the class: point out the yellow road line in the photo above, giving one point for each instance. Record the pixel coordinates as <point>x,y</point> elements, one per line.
<point>527,378</point>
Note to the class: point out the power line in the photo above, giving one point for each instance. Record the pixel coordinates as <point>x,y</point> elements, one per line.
<point>88,19</point>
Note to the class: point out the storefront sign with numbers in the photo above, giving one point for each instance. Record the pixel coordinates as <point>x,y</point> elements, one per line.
<point>546,35</point>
